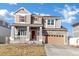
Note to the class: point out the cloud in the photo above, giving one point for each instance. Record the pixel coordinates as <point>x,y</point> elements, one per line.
<point>42,14</point>
<point>11,13</point>
<point>5,14</point>
<point>68,13</point>
<point>13,3</point>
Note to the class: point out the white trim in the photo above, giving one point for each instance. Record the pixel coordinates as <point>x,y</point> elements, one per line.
<point>24,14</point>
<point>47,26</point>
<point>60,23</point>
<point>28,34</point>
<point>54,23</point>
<point>40,34</point>
<point>65,43</point>
<point>24,9</point>
<point>46,23</point>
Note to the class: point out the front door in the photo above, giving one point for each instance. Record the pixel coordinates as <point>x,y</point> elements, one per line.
<point>33,35</point>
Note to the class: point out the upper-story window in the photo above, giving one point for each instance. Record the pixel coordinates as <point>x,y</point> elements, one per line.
<point>35,19</point>
<point>50,22</point>
<point>22,18</point>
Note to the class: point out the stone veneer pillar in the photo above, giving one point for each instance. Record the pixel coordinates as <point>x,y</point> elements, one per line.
<point>28,34</point>
<point>40,33</point>
<point>12,34</point>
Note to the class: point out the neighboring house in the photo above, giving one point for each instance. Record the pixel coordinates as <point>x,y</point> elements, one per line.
<point>75,39</point>
<point>30,28</point>
<point>4,32</point>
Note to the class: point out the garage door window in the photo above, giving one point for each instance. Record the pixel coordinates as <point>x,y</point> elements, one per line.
<point>57,35</point>
<point>62,35</point>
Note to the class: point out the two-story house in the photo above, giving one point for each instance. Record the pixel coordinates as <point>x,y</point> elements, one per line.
<point>30,28</point>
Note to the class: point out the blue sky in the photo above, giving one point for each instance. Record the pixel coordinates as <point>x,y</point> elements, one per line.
<point>69,13</point>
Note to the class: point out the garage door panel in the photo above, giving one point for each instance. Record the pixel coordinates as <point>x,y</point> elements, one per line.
<point>55,40</point>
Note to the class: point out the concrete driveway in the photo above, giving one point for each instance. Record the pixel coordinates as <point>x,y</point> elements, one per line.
<point>58,50</point>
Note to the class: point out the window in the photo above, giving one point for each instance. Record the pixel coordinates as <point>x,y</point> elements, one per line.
<point>35,19</point>
<point>59,35</point>
<point>22,31</point>
<point>50,22</point>
<point>22,18</point>
<point>62,35</point>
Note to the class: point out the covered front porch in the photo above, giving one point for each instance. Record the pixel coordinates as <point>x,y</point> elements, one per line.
<point>26,34</point>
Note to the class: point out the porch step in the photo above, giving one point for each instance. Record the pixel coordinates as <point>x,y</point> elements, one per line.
<point>18,41</point>
<point>34,42</point>
<point>28,42</point>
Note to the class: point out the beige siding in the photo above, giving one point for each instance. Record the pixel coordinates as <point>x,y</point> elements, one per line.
<point>38,21</point>
<point>16,18</point>
<point>27,16</point>
<point>22,11</point>
<point>28,19</point>
<point>57,23</point>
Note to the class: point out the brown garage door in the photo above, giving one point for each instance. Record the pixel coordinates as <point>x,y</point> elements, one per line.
<point>54,39</point>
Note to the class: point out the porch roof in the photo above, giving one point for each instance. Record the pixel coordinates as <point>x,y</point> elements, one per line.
<point>35,25</point>
<point>56,29</point>
<point>18,24</point>
<point>31,25</point>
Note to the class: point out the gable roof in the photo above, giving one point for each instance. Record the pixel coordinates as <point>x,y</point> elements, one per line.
<point>21,9</point>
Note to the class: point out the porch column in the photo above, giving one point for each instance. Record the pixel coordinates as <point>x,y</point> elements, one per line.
<point>12,33</point>
<point>28,34</point>
<point>40,34</point>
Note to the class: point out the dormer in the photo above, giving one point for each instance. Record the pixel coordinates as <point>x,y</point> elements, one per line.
<point>22,15</point>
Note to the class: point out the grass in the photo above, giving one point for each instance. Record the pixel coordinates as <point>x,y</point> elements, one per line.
<point>21,50</point>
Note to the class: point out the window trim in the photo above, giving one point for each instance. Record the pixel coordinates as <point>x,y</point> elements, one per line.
<point>21,18</point>
<point>22,31</point>
<point>49,22</point>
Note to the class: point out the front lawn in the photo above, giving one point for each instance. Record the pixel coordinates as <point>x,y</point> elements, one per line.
<point>21,50</point>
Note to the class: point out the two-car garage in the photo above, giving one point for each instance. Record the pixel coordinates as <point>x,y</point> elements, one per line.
<point>55,37</point>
